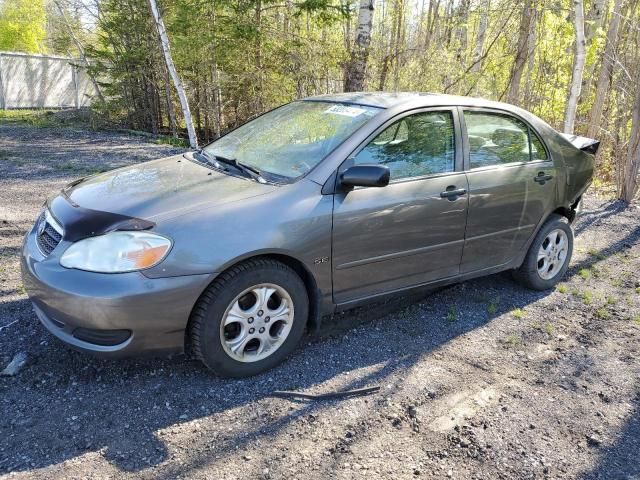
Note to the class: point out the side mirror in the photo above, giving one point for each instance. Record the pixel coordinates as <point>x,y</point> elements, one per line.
<point>365,176</point>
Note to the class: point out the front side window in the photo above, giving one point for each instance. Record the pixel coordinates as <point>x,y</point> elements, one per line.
<point>496,139</point>
<point>289,141</point>
<point>415,146</point>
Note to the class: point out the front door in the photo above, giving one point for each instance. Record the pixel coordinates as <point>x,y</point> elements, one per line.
<point>512,186</point>
<point>411,231</point>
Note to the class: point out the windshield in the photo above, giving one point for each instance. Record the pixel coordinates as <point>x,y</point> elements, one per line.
<point>289,141</point>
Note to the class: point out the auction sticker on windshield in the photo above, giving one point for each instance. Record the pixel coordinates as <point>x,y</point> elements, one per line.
<point>345,110</point>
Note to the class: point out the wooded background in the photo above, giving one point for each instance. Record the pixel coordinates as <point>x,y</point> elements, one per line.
<point>576,64</point>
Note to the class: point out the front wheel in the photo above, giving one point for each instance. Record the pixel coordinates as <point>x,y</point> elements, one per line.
<point>250,318</point>
<point>549,255</point>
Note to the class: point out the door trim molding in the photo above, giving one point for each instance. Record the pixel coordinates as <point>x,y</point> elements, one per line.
<point>501,232</point>
<point>391,256</point>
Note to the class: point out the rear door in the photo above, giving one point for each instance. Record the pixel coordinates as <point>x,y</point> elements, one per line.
<point>411,231</point>
<point>512,186</point>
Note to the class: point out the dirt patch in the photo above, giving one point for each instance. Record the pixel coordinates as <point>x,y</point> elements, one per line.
<point>480,380</point>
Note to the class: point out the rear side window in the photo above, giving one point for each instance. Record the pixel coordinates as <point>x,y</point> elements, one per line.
<point>415,146</point>
<point>538,151</point>
<point>496,139</point>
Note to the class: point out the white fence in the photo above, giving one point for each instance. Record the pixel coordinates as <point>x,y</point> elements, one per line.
<point>40,81</point>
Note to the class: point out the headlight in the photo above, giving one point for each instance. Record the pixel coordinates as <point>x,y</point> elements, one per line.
<point>117,252</point>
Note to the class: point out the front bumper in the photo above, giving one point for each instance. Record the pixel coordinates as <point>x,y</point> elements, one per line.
<point>140,314</point>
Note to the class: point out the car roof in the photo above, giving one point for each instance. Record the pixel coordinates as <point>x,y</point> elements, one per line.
<point>416,99</point>
<point>419,100</point>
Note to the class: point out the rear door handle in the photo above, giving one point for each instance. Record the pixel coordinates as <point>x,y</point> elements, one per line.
<point>452,192</point>
<point>541,178</point>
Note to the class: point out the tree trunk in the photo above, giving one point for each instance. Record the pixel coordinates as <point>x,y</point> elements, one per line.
<point>482,33</point>
<point>177,83</point>
<point>606,70</point>
<point>526,24</point>
<point>80,48</point>
<point>357,67</point>
<point>173,127</point>
<point>578,68</point>
<point>462,31</point>
<point>632,163</point>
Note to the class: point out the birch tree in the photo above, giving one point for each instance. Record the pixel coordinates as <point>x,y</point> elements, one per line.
<point>578,68</point>
<point>177,83</point>
<point>357,68</point>
<point>80,48</point>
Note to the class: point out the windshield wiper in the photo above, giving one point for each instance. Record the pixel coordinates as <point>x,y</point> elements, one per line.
<point>248,169</point>
<point>204,156</point>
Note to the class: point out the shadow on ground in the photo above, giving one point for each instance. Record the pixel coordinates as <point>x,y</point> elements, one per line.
<point>76,403</point>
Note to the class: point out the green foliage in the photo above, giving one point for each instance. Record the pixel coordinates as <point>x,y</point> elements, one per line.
<point>512,341</point>
<point>492,308</point>
<point>238,59</point>
<point>452,314</point>
<point>518,313</point>
<point>22,26</point>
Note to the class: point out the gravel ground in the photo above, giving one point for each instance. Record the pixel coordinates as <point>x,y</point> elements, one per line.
<point>480,380</point>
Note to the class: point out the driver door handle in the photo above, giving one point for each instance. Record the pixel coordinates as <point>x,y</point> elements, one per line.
<point>452,192</point>
<point>542,177</point>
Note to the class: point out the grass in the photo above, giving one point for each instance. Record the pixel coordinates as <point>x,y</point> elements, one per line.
<point>518,313</point>
<point>587,297</point>
<point>611,300</point>
<point>512,341</point>
<point>173,141</point>
<point>79,169</point>
<point>602,313</point>
<point>547,328</point>
<point>492,307</point>
<point>596,253</point>
<point>638,290</point>
<point>562,288</point>
<point>584,273</point>
<point>452,314</point>
<point>598,272</point>
<point>35,118</point>
<point>616,282</point>
<point>636,319</point>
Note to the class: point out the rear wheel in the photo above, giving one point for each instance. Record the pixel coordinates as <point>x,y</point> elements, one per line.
<point>250,318</point>
<point>549,255</point>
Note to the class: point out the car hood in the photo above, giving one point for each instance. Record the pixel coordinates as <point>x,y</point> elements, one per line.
<point>161,189</point>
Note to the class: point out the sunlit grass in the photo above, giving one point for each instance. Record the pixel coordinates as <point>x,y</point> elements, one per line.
<point>584,273</point>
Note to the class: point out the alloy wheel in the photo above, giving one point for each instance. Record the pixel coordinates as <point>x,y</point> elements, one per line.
<point>257,322</point>
<point>552,253</point>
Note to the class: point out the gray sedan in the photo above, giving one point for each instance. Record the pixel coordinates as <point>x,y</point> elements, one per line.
<point>320,205</point>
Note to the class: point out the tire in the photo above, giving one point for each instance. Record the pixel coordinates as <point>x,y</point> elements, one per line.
<point>242,296</point>
<point>534,273</point>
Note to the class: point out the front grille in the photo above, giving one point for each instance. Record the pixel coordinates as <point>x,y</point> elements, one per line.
<point>48,233</point>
